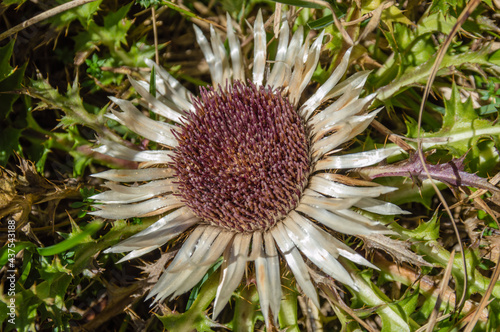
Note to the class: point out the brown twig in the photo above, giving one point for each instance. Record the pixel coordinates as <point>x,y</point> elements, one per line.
<point>391,136</point>
<point>443,285</point>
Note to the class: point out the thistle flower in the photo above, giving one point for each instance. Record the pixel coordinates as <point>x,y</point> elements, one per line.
<point>247,169</point>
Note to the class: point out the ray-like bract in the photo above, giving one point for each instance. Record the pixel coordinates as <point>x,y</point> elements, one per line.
<point>233,267</point>
<point>234,51</point>
<point>356,160</point>
<point>118,150</point>
<point>379,207</point>
<point>132,118</point>
<point>156,105</point>
<point>134,175</point>
<point>171,89</point>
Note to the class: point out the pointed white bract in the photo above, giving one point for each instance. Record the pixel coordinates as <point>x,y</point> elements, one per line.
<point>356,160</point>
<point>120,151</point>
<point>296,236</point>
<point>171,92</point>
<point>260,47</point>
<point>234,51</point>
<point>233,267</point>
<point>277,76</point>
<point>295,262</point>
<point>132,118</point>
<point>156,105</point>
<point>133,175</point>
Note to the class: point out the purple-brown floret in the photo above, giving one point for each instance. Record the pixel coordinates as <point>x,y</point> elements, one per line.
<point>243,157</point>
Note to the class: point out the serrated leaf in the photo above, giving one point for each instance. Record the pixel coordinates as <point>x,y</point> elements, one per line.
<point>458,114</point>
<point>7,84</point>
<point>112,33</point>
<point>495,58</point>
<point>409,303</point>
<point>113,19</point>
<point>426,231</point>
<point>394,15</point>
<point>5,54</point>
<point>140,51</point>
<point>81,13</point>
<point>52,292</point>
<point>75,239</point>
<point>437,22</point>
<point>52,268</point>
<point>70,103</point>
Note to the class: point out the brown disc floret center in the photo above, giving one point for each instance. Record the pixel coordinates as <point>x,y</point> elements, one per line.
<point>243,157</point>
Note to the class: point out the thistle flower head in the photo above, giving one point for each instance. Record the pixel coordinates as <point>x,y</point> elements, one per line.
<point>247,169</point>
<point>243,157</point>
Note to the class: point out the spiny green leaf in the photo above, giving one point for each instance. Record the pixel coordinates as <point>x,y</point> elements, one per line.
<point>112,34</point>
<point>428,231</point>
<point>458,114</point>
<point>70,103</point>
<point>5,54</point>
<point>409,303</point>
<point>74,240</point>
<point>394,15</point>
<point>51,268</point>
<point>83,14</point>
<point>8,84</point>
<point>113,19</point>
<point>495,58</point>
<point>437,22</point>
<point>447,6</point>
